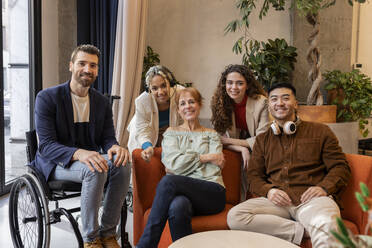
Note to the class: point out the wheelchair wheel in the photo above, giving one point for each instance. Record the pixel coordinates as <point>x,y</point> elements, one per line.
<point>25,215</point>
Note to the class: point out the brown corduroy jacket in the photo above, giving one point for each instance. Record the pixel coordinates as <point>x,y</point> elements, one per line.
<point>293,163</point>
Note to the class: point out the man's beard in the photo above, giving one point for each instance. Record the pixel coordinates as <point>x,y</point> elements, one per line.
<point>86,82</point>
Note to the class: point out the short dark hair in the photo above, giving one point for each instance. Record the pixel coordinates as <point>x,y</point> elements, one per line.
<point>86,48</point>
<point>282,85</point>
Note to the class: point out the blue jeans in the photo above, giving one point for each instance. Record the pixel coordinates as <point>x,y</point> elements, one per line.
<point>177,199</point>
<point>91,196</point>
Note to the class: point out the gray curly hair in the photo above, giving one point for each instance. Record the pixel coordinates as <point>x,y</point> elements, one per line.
<point>162,71</point>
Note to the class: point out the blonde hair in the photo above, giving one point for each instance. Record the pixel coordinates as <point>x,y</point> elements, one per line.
<point>194,92</point>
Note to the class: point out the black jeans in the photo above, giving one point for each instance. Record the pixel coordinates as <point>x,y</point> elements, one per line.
<point>177,199</point>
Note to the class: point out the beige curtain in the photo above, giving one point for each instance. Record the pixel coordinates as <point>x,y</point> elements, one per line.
<point>128,59</point>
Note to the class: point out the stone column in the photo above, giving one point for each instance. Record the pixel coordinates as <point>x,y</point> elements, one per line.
<point>67,28</point>
<point>334,43</point>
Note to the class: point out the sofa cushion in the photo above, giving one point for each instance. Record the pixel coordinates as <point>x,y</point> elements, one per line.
<point>361,171</point>
<point>352,227</point>
<point>205,222</point>
<point>199,224</point>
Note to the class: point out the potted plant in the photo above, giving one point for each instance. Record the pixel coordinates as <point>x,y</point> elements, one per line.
<point>352,93</point>
<point>310,10</point>
<point>271,62</point>
<point>150,59</point>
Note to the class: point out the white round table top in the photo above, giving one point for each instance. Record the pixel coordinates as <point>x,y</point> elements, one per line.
<point>231,239</point>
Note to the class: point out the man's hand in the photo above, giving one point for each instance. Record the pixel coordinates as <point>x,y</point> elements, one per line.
<point>245,156</point>
<point>122,155</point>
<point>214,158</point>
<point>147,153</point>
<point>92,159</point>
<point>279,197</point>
<point>310,193</point>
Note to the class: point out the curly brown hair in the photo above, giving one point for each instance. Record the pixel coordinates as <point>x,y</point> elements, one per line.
<point>222,105</point>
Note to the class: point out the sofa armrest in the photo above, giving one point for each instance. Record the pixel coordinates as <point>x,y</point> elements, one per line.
<point>145,177</point>
<point>361,171</point>
<point>231,174</point>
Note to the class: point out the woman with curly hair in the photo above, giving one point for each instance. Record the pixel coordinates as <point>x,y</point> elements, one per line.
<point>155,111</point>
<point>239,112</point>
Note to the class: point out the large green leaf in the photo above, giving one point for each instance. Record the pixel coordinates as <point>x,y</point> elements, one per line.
<point>363,187</point>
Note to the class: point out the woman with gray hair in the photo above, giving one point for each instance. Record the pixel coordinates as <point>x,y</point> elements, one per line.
<point>155,111</point>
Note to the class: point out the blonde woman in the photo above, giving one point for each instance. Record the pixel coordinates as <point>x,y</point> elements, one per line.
<point>193,158</point>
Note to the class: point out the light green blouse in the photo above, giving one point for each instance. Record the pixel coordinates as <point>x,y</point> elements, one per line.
<point>181,150</point>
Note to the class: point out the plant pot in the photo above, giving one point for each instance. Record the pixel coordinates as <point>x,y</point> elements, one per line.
<point>335,93</point>
<point>317,113</point>
<point>337,96</point>
<point>347,134</point>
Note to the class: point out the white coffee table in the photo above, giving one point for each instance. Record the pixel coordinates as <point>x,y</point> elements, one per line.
<point>231,239</point>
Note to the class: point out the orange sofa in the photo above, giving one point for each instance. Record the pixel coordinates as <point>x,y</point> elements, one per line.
<point>147,175</point>
<point>353,216</point>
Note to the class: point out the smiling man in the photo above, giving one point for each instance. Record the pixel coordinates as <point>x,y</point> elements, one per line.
<point>74,125</point>
<point>298,170</point>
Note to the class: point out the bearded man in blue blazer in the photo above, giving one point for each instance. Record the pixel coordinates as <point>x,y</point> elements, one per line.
<point>74,124</point>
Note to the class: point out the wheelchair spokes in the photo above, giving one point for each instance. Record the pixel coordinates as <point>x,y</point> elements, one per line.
<point>25,215</point>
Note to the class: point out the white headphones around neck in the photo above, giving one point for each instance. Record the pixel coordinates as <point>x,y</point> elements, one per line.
<point>289,127</point>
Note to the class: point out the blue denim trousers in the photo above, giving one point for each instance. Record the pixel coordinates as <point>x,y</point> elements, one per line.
<point>92,192</point>
<point>177,199</point>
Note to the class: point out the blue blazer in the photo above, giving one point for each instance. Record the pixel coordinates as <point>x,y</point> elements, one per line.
<point>54,121</point>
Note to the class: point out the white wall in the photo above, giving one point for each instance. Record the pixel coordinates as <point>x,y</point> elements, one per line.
<point>361,52</point>
<point>50,49</point>
<point>362,37</point>
<point>189,37</point>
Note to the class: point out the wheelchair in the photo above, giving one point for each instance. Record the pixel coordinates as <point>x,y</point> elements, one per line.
<point>29,215</point>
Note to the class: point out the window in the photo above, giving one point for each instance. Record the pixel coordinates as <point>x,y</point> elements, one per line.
<point>17,85</point>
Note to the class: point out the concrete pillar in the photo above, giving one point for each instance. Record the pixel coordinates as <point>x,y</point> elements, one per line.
<point>67,32</point>
<point>334,43</point>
